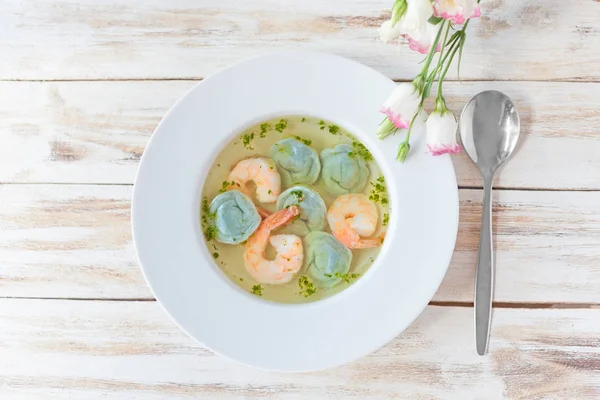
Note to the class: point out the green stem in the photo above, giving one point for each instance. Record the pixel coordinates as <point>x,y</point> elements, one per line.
<point>442,56</point>
<point>432,50</point>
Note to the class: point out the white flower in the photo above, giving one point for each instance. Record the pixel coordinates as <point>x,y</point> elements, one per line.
<point>457,11</point>
<point>415,19</point>
<point>421,41</point>
<point>402,105</point>
<point>441,129</point>
<point>388,33</point>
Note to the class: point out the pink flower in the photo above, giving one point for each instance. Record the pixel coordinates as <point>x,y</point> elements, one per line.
<point>422,40</point>
<point>457,11</point>
<point>416,16</point>
<point>402,105</point>
<point>441,129</point>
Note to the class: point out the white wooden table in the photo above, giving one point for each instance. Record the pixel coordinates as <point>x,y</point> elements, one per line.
<point>83,84</point>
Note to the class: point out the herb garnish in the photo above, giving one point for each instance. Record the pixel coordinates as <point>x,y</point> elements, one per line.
<point>334,129</point>
<point>348,278</point>
<point>386,219</point>
<point>305,141</point>
<point>361,150</point>
<point>215,255</point>
<point>257,290</point>
<point>264,127</point>
<point>298,194</point>
<point>224,187</point>
<point>307,288</point>
<point>281,125</point>
<point>247,140</point>
<point>378,192</point>
<point>210,233</point>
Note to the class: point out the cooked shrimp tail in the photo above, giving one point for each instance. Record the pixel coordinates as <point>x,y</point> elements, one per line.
<point>353,217</point>
<point>290,253</point>
<point>352,240</point>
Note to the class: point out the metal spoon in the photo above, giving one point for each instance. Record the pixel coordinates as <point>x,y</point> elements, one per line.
<point>489,131</point>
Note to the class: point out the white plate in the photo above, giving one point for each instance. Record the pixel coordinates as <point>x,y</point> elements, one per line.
<point>214,311</point>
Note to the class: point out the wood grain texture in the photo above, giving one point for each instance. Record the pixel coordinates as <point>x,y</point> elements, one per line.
<point>95,132</point>
<point>74,241</point>
<point>116,39</point>
<point>56,349</point>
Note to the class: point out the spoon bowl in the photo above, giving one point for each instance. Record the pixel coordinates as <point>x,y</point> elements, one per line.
<point>489,131</point>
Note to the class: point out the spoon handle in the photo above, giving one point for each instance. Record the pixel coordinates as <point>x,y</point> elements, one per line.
<point>484,276</point>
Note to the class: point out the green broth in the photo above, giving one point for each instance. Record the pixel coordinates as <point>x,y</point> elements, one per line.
<point>256,142</point>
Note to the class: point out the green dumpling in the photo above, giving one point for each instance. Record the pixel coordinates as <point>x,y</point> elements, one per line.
<point>343,170</point>
<point>326,258</point>
<point>234,217</point>
<point>313,211</point>
<point>297,163</point>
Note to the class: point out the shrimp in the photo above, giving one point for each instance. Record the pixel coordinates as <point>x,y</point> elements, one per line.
<point>290,253</point>
<point>263,172</point>
<point>351,216</point>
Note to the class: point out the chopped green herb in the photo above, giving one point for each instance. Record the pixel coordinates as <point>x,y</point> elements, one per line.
<point>305,141</point>
<point>205,208</point>
<point>264,127</point>
<point>210,233</point>
<point>379,192</point>
<point>298,194</point>
<point>334,129</point>
<point>269,192</point>
<point>214,247</point>
<point>362,151</point>
<point>241,279</point>
<point>225,186</point>
<point>303,119</point>
<point>328,275</point>
<point>307,288</point>
<point>386,219</point>
<point>348,278</point>
<point>247,140</point>
<point>321,122</point>
<point>257,290</point>
<point>215,255</point>
<point>322,128</point>
<point>218,165</point>
<point>281,125</point>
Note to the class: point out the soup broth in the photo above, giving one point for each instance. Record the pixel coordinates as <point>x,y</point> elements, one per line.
<point>259,141</point>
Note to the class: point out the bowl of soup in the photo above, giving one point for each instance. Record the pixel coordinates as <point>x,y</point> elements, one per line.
<point>275,229</point>
<point>294,209</point>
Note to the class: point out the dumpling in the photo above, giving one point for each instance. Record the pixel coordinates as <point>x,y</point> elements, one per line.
<point>234,217</point>
<point>343,170</point>
<point>297,163</point>
<point>326,258</point>
<point>313,211</point>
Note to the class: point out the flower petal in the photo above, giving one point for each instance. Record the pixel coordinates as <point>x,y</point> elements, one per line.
<point>457,11</point>
<point>441,133</point>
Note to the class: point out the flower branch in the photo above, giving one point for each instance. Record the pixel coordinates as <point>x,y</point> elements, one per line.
<point>426,25</point>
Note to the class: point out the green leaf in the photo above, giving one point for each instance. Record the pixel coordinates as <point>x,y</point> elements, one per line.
<point>435,20</point>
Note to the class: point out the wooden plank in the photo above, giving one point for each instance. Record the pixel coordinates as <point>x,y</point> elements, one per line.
<point>73,241</point>
<point>118,39</point>
<point>95,132</point>
<point>67,241</point>
<point>55,349</point>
